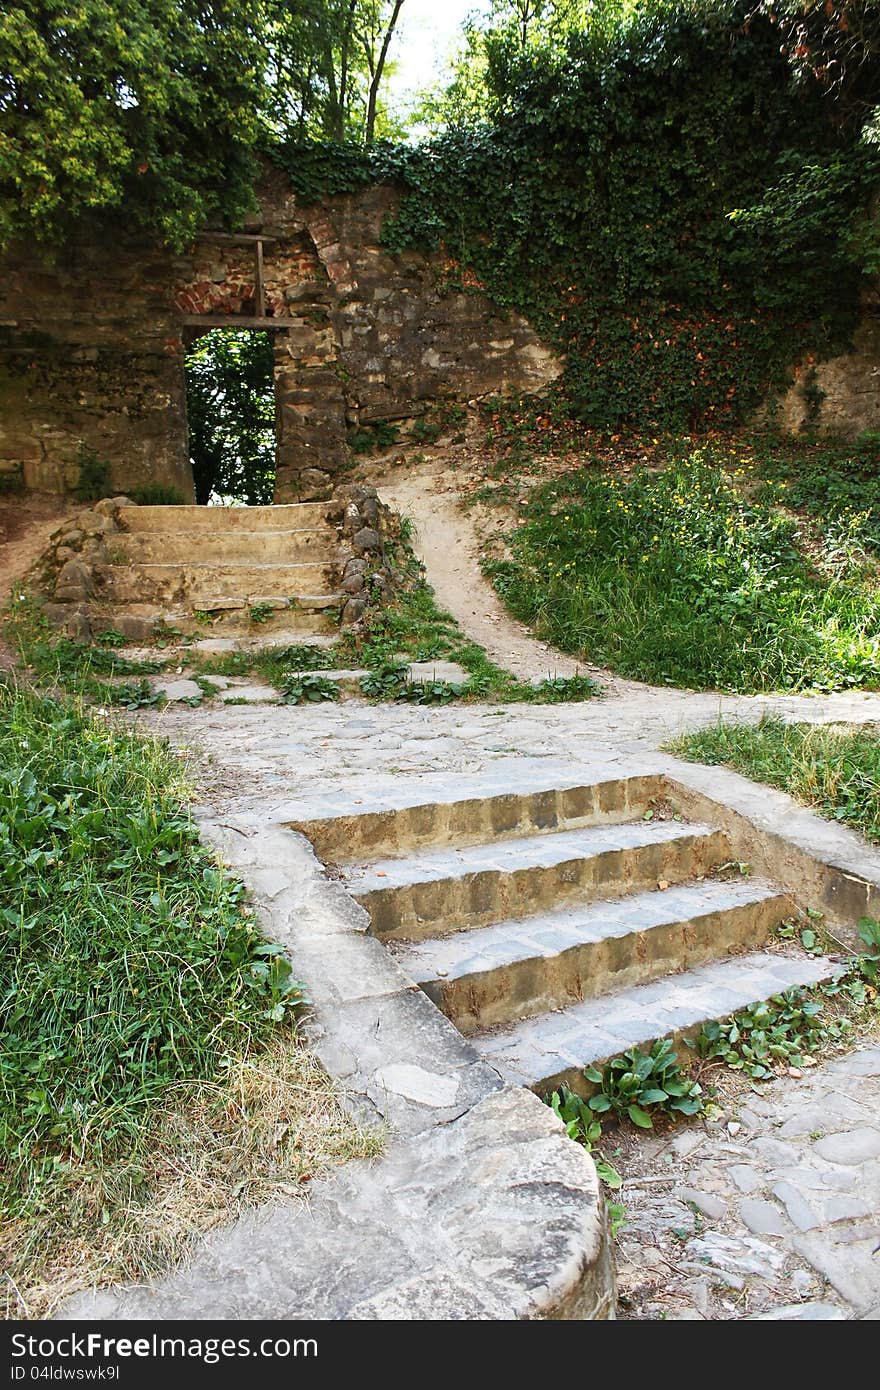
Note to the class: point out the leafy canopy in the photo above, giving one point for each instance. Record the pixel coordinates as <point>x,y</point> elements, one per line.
<point>148,107</point>
<point>153,109</point>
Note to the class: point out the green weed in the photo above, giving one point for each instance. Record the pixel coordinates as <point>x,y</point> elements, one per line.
<point>679,577</point>
<point>129,961</point>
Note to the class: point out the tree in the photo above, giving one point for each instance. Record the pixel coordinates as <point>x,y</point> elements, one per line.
<point>230,402</point>
<point>148,108</point>
<point>377,22</point>
<point>837,44</point>
<point>328,59</point>
<point>493,46</point>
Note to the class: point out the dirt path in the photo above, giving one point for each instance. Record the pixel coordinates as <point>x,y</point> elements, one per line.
<point>448,540</point>
<point>26,523</point>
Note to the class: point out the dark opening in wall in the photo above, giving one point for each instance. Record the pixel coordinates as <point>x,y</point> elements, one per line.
<point>230,406</point>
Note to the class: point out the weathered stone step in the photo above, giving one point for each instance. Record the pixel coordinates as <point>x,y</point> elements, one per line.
<point>451,889</point>
<point>258,640</point>
<point>554,1048</point>
<point>254,547</point>
<point>451,816</point>
<point>513,969</point>
<point>246,583</point>
<point>216,519</point>
<point>229,618</point>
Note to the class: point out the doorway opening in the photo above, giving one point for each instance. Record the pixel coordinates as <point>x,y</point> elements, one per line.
<point>230,407</point>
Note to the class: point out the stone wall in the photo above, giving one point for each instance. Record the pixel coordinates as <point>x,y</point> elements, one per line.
<point>90,354</point>
<point>842,395</point>
<point>92,345</point>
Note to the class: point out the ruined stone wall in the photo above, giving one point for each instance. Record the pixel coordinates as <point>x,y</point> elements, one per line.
<point>92,345</point>
<point>841,396</point>
<point>90,356</point>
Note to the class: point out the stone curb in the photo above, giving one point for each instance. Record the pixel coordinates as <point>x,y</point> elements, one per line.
<point>481,1208</point>
<point>825,866</point>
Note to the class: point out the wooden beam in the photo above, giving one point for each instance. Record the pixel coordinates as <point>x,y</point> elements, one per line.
<point>245,239</point>
<point>260,292</point>
<point>235,321</point>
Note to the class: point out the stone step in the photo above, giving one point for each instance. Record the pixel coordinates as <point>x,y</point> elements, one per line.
<point>514,969</point>
<point>554,1048</point>
<point>259,641</point>
<point>194,583</point>
<point>450,816</point>
<point>451,889</point>
<point>292,517</point>
<point>256,547</point>
<point>229,619</point>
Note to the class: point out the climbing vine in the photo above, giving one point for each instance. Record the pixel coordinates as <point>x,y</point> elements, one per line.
<point>671,208</point>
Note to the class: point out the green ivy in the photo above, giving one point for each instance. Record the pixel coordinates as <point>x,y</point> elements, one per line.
<point>671,210</point>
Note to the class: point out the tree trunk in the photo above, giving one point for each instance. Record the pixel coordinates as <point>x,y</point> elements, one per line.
<point>376,73</point>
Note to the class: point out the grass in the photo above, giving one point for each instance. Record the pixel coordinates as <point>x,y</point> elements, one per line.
<point>413,628</point>
<point>690,575</point>
<point>270,1125</point>
<point>95,672</point>
<point>143,1018</point>
<point>130,960</point>
<point>834,769</point>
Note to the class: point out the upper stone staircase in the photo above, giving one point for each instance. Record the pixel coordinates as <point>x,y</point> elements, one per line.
<point>558,926</point>
<point>186,565</point>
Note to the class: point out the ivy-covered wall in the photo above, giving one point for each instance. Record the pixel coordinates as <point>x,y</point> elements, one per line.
<point>668,206</point>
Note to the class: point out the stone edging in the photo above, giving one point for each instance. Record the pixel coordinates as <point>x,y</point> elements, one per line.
<point>481,1207</point>
<point>824,865</point>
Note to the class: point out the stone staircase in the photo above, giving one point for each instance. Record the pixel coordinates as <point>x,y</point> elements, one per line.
<point>558,926</point>
<point>188,565</point>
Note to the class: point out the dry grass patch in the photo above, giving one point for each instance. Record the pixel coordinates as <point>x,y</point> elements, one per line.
<point>215,1150</point>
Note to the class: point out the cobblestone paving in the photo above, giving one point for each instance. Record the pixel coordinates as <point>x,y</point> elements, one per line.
<point>772,1213</point>
<point>291,750</point>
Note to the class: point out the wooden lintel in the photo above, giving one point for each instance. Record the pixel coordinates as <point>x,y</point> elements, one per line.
<point>245,238</point>
<point>236,321</point>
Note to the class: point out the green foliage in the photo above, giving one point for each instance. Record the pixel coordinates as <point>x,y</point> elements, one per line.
<point>869,964</point>
<point>328,61</point>
<point>555,690</point>
<point>129,961</point>
<point>414,628</point>
<point>93,476</point>
<point>385,681</point>
<point>297,689</point>
<point>91,671</point>
<point>648,186</point>
<point>373,439</point>
<point>260,613</point>
<point>834,769</point>
<point>581,1123</point>
<point>297,657</point>
<point>230,406</point>
<point>839,484</point>
<point>681,577</point>
<point>641,1085</point>
<point>584,1128</point>
<point>429,692</point>
<point>156,495</point>
<point>787,1030</point>
<point>147,110</point>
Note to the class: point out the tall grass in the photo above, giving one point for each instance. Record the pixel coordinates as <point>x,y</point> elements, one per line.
<point>129,961</point>
<point>680,577</point>
<point>832,768</point>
